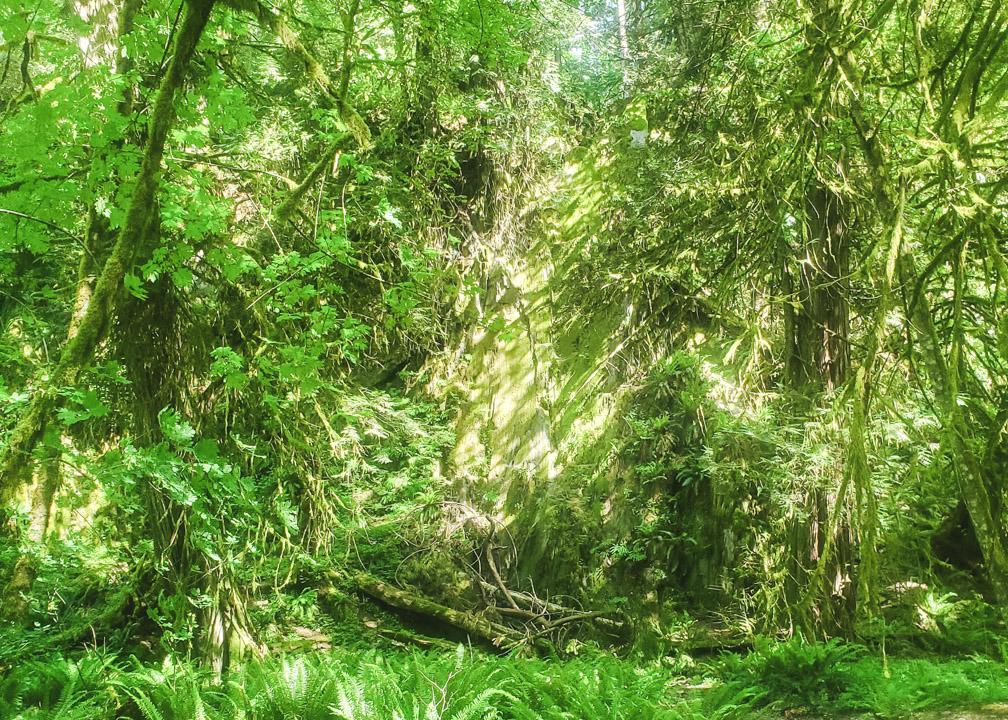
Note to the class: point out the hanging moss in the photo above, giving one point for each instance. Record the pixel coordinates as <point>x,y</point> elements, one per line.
<point>93,325</point>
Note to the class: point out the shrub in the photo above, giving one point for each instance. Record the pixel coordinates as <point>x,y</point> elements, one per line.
<point>790,674</point>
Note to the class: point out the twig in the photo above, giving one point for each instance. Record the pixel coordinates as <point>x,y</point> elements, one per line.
<point>493,565</point>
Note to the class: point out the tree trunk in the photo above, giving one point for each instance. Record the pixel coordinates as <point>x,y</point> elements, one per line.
<point>16,601</point>
<point>816,321</point>
<point>818,355</point>
<point>95,321</point>
<point>621,16</point>
<point>48,479</point>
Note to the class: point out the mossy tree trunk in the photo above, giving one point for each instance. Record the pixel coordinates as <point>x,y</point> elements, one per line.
<point>944,365</point>
<point>817,355</point>
<point>80,348</point>
<point>101,49</point>
<point>816,361</point>
<point>816,329</point>
<point>976,472</point>
<point>95,307</point>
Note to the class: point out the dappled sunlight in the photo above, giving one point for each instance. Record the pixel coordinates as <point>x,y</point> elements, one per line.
<point>417,359</point>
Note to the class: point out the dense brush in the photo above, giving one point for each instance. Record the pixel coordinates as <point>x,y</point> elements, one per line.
<point>464,685</point>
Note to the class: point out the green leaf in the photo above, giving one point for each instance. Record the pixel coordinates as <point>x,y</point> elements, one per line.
<point>174,428</point>
<point>89,406</point>
<point>134,286</point>
<point>182,278</point>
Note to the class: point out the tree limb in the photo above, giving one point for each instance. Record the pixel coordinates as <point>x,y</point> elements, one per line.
<point>277,23</point>
<point>498,635</point>
<point>80,348</point>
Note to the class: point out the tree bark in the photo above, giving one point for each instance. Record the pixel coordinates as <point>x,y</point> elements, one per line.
<point>15,602</point>
<point>498,635</point>
<point>621,18</point>
<point>818,353</point>
<point>48,479</point>
<point>95,320</point>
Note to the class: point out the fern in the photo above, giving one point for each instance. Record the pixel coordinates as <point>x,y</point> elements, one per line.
<point>67,698</point>
<point>792,673</point>
<point>200,713</point>
<point>147,707</point>
<point>352,704</point>
<point>479,706</point>
<point>11,707</point>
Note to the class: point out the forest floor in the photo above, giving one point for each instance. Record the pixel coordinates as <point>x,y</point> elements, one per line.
<point>469,683</point>
<point>997,711</point>
<point>988,712</point>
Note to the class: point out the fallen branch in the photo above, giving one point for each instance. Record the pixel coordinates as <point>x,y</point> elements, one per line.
<point>530,602</point>
<point>553,625</point>
<point>527,614</point>
<point>421,641</point>
<point>497,577</point>
<point>498,635</point>
<point>532,608</point>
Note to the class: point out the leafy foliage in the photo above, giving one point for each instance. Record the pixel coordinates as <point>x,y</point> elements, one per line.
<point>700,305</point>
<point>793,673</point>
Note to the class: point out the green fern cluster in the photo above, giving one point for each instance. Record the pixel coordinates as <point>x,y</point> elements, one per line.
<point>351,685</point>
<point>60,689</point>
<point>792,673</point>
<point>370,685</point>
<point>338,686</point>
<point>907,687</point>
<point>590,688</point>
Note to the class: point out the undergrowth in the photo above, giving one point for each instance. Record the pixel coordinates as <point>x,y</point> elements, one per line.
<point>465,685</point>
<point>346,685</point>
<point>844,679</point>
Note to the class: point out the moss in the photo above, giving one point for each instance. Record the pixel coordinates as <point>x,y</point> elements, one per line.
<point>338,605</point>
<point>436,574</point>
<point>16,601</point>
<point>277,23</point>
<point>80,347</point>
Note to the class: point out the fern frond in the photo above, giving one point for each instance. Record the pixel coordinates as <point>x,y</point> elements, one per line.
<point>68,696</point>
<point>480,707</point>
<point>352,702</point>
<point>200,712</point>
<point>147,707</point>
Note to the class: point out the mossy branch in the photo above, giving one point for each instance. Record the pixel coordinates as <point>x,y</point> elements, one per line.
<point>277,23</point>
<point>498,635</point>
<point>285,209</point>
<point>989,527</point>
<point>80,348</point>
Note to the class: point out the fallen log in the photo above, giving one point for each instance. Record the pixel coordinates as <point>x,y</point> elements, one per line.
<point>304,639</point>
<point>710,640</point>
<point>498,635</point>
<point>421,641</point>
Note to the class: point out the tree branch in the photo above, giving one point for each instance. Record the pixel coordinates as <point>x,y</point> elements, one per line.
<point>80,348</point>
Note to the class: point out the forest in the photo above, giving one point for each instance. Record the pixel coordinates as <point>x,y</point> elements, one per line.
<point>503,359</point>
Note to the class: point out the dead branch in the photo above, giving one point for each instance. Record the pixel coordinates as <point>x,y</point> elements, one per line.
<point>545,623</point>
